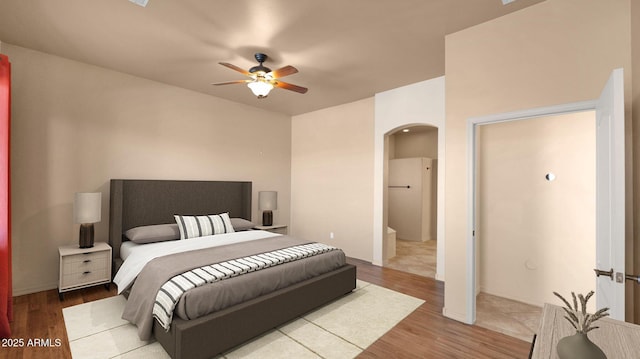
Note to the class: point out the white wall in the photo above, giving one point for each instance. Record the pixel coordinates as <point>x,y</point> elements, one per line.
<point>421,103</point>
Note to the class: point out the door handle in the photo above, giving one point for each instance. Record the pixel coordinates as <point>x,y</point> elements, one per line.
<point>608,273</point>
<point>635,278</point>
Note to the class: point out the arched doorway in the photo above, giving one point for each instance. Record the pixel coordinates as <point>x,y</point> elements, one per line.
<point>411,201</point>
<point>419,104</point>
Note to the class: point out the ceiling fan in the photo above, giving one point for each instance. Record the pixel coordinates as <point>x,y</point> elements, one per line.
<point>263,79</point>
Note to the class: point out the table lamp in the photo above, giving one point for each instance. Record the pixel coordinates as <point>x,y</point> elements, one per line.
<point>267,202</point>
<point>86,212</point>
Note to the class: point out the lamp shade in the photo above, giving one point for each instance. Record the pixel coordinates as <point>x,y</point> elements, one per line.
<point>267,200</point>
<point>86,207</point>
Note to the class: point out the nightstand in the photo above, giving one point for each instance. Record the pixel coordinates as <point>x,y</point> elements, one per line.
<point>276,228</point>
<point>84,267</point>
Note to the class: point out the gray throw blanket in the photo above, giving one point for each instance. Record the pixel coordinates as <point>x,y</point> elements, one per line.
<point>172,291</point>
<point>139,307</point>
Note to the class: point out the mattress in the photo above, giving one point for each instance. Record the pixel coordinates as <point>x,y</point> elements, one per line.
<point>222,294</point>
<point>127,247</point>
<point>140,254</point>
<point>219,295</point>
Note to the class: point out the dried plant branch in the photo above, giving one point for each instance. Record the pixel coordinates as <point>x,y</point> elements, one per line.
<point>571,317</point>
<point>578,316</point>
<point>589,296</point>
<point>562,298</point>
<point>599,314</point>
<point>590,329</point>
<point>572,322</point>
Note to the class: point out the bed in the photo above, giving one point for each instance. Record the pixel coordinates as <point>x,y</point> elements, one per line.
<point>136,203</point>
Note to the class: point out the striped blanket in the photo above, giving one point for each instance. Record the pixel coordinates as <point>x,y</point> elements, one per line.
<point>171,292</point>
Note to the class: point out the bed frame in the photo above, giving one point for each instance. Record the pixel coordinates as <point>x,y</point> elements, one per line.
<point>144,202</point>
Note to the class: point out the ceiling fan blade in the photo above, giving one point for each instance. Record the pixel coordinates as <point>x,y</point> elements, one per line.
<point>290,87</point>
<point>236,68</point>
<point>232,82</point>
<point>285,71</point>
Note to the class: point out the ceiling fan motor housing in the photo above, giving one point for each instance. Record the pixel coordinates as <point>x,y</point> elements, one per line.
<point>260,57</point>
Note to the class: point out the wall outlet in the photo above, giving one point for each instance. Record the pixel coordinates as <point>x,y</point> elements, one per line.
<point>331,235</point>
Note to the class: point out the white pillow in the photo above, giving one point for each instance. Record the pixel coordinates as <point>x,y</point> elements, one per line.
<point>199,226</point>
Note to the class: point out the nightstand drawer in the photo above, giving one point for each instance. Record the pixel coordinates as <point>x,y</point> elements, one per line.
<point>79,263</point>
<point>86,277</point>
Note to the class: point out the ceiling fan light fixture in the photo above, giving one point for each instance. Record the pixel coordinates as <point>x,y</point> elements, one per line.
<point>260,88</point>
<point>263,80</point>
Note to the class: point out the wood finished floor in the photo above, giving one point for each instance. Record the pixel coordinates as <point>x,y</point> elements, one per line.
<point>39,315</point>
<point>425,333</point>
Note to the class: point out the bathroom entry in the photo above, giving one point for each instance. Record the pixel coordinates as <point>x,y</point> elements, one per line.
<point>412,200</point>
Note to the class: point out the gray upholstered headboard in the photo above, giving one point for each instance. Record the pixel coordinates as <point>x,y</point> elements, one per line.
<point>136,203</point>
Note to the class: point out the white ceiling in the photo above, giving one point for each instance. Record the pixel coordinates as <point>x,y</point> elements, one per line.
<point>345,50</point>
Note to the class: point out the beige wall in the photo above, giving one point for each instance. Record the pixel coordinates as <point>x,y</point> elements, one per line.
<point>417,143</point>
<point>565,51</point>
<point>332,177</point>
<point>537,236</point>
<point>75,126</point>
<point>558,51</point>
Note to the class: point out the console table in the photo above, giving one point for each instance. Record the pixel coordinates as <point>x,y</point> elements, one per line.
<point>616,339</point>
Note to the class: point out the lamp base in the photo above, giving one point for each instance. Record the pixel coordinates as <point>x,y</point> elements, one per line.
<point>267,218</point>
<point>86,235</point>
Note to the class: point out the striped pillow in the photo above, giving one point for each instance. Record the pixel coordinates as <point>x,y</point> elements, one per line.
<point>199,226</point>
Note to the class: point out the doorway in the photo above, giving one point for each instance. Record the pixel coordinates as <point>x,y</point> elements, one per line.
<point>535,217</point>
<point>610,193</point>
<point>411,240</point>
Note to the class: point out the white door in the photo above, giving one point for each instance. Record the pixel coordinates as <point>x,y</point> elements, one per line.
<point>610,196</point>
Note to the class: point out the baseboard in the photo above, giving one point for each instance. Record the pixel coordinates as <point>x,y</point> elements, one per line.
<point>461,317</point>
<point>30,290</point>
<point>509,296</point>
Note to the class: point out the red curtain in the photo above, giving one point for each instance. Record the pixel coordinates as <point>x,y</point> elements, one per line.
<point>6,296</point>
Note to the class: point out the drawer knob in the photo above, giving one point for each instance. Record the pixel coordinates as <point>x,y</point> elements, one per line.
<point>87,272</point>
<point>87,261</point>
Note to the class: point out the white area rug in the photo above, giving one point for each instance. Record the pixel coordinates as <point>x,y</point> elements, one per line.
<point>340,329</point>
